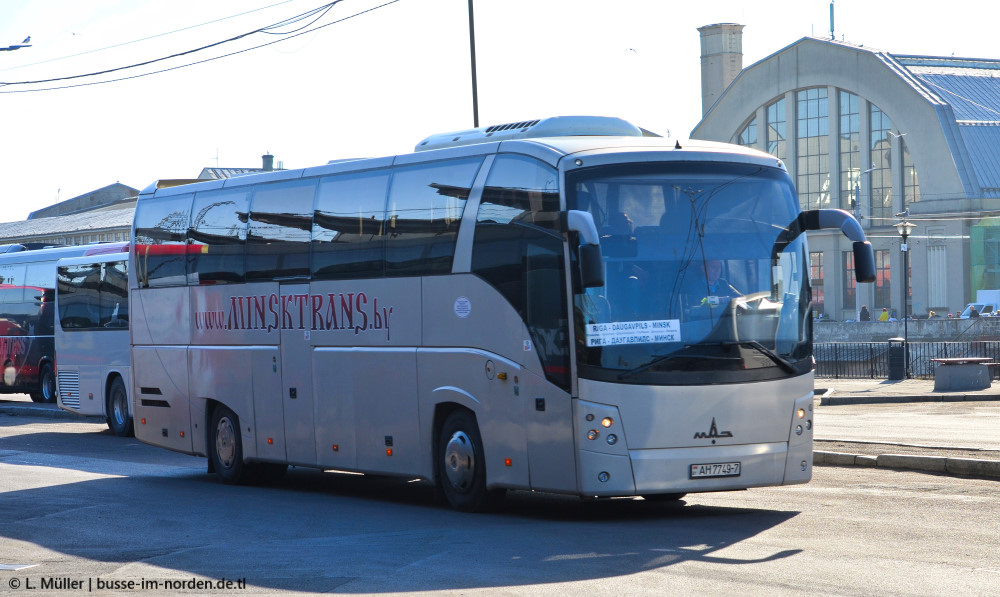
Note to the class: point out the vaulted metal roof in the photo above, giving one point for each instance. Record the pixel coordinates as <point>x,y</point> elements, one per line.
<point>971,87</point>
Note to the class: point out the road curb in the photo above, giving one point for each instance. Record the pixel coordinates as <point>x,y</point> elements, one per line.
<point>965,467</point>
<point>827,399</point>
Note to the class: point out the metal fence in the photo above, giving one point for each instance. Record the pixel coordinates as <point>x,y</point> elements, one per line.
<point>870,360</point>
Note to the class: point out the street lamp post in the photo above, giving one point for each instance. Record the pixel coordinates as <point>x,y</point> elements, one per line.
<point>904,228</point>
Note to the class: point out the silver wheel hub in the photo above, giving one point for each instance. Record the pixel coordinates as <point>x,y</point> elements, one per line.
<point>119,408</point>
<point>460,461</point>
<point>225,442</point>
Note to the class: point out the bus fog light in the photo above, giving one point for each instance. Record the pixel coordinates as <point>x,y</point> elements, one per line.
<point>607,422</point>
<point>603,477</point>
<point>612,439</point>
<point>593,434</point>
<point>798,430</point>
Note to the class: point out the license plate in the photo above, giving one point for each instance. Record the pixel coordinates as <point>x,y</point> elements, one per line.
<point>718,469</point>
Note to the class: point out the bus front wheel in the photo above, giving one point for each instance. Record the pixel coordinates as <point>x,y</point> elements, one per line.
<point>119,419</point>
<point>461,474</point>
<point>46,385</point>
<point>226,446</point>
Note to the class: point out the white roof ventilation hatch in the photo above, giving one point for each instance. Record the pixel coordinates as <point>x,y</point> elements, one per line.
<point>555,126</point>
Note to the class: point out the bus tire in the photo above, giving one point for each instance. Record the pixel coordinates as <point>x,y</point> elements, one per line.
<point>461,469</point>
<point>225,446</point>
<point>119,419</point>
<point>46,393</point>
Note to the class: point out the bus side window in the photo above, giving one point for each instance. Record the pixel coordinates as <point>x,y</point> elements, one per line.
<point>161,226</point>
<point>218,236</point>
<point>114,295</point>
<point>348,239</point>
<point>425,206</point>
<point>280,229</point>
<point>79,292</point>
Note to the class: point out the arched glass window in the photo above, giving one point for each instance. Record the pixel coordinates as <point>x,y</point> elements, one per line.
<point>881,174</point>
<point>812,149</point>
<point>911,186</point>
<point>777,143</point>
<point>850,151</point>
<point>748,136</point>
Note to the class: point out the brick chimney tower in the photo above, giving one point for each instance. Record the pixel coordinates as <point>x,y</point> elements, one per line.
<point>721,60</point>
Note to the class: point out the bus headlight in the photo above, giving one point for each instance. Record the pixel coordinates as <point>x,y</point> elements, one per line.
<point>607,422</point>
<point>612,439</point>
<point>593,434</point>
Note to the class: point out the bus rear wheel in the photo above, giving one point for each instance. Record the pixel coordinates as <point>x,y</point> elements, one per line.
<point>119,419</point>
<point>226,446</point>
<point>46,393</point>
<point>461,474</point>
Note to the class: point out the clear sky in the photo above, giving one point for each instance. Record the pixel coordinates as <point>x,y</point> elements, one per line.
<point>379,82</point>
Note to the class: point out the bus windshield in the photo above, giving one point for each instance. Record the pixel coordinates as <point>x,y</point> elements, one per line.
<point>697,288</point>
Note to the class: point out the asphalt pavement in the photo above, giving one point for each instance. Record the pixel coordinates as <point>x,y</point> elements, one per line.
<point>859,422</point>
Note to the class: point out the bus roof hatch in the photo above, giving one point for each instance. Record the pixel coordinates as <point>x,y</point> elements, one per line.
<point>555,126</point>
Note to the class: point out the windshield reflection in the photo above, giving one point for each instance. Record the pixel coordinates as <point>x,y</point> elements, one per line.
<point>690,281</point>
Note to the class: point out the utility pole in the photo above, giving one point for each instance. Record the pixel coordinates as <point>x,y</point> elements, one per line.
<point>472,53</point>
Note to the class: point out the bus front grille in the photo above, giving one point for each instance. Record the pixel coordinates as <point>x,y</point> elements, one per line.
<point>69,388</point>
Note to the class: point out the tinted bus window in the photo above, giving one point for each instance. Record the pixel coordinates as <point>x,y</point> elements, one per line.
<point>280,230</point>
<point>161,228</point>
<point>78,287</point>
<point>114,295</point>
<point>348,226</point>
<point>425,207</point>
<point>518,251</point>
<point>39,297</point>
<point>93,296</point>
<point>217,236</point>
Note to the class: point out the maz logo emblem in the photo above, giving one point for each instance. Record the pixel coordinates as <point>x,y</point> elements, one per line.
<point>713,432</point>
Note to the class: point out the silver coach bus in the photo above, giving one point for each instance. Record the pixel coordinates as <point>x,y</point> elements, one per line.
<point>560,305</point>
<point>91,336</point>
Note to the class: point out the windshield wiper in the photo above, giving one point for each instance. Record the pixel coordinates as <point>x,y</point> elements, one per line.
<point>778,360</point>
<point>668,357</point>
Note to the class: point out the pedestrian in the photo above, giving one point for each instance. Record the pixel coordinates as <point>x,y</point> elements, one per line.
<point>973,312</point>
<point>931,315</point>
<point>884,315</point>
<point>865,313</point>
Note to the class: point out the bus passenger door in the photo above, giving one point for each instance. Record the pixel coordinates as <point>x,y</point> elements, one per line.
<point>296,375</point>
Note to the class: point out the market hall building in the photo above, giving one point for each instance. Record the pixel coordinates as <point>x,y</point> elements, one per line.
<point>876,134</point>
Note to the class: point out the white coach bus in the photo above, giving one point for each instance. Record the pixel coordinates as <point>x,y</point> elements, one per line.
<point>91,335</point>
<point>561,305</point>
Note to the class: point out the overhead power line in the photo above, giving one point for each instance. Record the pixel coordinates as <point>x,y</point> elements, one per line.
<point>286,35</point>
<point>135,41</point>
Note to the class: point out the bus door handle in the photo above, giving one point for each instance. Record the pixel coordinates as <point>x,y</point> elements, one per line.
<point>293,393</point>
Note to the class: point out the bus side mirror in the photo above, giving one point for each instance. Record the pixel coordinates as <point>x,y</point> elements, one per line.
<point>590,260</point>
<point>591,266</point>
<point>864,262</point>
